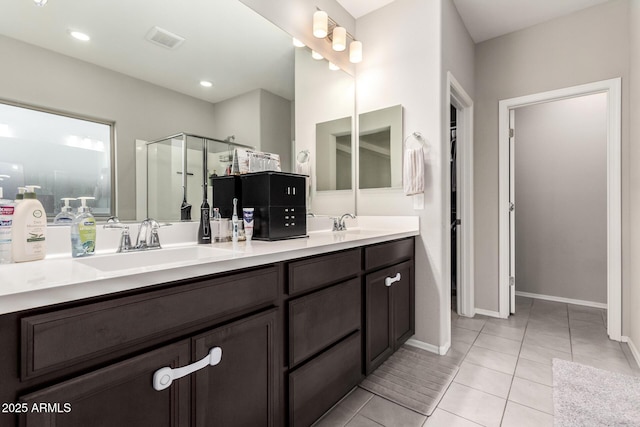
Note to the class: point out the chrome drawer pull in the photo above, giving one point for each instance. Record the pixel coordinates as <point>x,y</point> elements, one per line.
<point>163,377</point>
<point>391,280</point>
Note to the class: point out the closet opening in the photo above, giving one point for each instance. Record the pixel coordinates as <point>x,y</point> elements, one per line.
<point>453,215</point>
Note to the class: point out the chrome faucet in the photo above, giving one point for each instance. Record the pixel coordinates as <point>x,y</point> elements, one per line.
<point>125,238</point>
<point>338,223</point>
<point>148,235</point>
<point>147,238</point>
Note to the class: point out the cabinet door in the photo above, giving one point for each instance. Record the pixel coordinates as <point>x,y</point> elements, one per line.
<point>390,315</point>
<point>379,344</point>
<point>118,395</point>
<point>403,307</point>
<point>242,390</point>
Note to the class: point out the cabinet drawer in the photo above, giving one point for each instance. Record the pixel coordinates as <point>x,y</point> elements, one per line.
<point>322,318</point>
<point>315,272</point>
<point>388,253</point>
<point>68,337</point>
<point>318,385</point>
<point>118,395</point>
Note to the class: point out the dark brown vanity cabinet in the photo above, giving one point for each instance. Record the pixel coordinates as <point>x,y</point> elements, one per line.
<point>100,362</point>
<point>292,339</point>
<point>389,300</point>
<point>240,390</point>
<point>324,324</point>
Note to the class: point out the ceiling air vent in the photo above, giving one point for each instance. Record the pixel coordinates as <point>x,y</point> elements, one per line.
<point>164,38</point>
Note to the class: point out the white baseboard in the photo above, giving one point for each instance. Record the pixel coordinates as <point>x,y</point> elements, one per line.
<point>562,299</point>
<point>633,348</point>
<point>442,350</point>
<point>489,313</point>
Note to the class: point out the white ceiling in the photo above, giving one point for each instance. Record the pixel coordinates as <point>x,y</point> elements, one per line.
<point>358,8</point>
<point>486,19</point>
<point>226,42</point>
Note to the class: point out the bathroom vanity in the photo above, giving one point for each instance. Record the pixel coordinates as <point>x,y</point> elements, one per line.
<point>298,325</point>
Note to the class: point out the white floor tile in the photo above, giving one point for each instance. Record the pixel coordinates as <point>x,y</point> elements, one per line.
<point>484,379</point>
<point>492,359</point>
<point>441,418</point>
<point>516,415</point>
<point>534,371</point>
<point>531,394</point>
<point>477,406</point>
<point>542,354</point>
<point>499,344</point>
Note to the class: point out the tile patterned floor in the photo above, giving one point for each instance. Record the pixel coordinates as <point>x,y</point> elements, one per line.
<point>505,375</point>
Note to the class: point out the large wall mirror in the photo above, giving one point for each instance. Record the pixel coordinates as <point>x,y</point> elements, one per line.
<point>150,90</point>
<point>325,104</point>
<point>380,148</point>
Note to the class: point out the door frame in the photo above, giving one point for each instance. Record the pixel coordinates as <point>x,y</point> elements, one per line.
<point>613,89</point>
<point>458,97</point>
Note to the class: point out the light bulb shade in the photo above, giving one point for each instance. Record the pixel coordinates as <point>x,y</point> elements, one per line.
<point>320,24</point>
<point>297,43</point>
<point>333,67</point>
<point>316,55</point>
<point>339,39</point>
<point>355,52</point>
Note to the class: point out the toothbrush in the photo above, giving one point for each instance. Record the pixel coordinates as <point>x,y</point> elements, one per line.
<point>234,220</point>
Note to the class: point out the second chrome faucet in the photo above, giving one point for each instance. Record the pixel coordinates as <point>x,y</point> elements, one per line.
<point>338,223</point>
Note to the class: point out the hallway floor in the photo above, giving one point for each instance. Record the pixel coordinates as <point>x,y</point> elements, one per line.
<point>505,373</point>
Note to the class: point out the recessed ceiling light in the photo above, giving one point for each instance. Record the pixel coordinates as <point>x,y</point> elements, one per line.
<point>333,67</point>
<point>205,83</point>
<point>315,55</point>
<point>40,2</point>
<point>79,36</point>
<point>297,43</point>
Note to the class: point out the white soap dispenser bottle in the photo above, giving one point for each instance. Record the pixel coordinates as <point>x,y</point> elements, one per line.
<point>29,228</point>
<point>66,215</point>
<point>83,231</point>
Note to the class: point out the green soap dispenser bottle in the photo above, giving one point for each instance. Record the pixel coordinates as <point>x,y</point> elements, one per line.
<point>83,231</point>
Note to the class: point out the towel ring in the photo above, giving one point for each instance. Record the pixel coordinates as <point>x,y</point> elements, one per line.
<point>418,137</point>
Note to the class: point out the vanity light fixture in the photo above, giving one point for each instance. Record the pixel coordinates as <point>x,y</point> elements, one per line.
<point>79,36</point>
<point>40,2</point>
<point>339,39</point>
<point>324,27</point>
<point>205,83</point>
<point>315,55</point>
<point>297,43</point>
<point>320,24</point>
<point>355,52</point>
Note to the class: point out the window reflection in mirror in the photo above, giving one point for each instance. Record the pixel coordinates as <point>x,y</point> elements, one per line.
<point>66,156</point>
<point>333,149</point>
<point>380,148</point>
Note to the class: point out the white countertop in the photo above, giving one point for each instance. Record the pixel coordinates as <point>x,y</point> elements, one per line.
<point>60,278</point>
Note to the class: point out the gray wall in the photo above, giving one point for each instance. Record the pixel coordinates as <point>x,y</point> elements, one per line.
<point>587,46</point>
<point>634,297</point>
<point>140,110</point>
<point>276,117</point>
<point>561,198</point>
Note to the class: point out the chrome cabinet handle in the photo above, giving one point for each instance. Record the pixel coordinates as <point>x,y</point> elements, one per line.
<point>391,280</point>
<point>163,377</point>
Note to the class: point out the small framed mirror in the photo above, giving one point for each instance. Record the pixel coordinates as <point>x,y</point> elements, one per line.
<point>333,149</point>
<point>380,148</point>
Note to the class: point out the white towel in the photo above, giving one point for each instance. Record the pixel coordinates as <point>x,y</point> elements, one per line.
<point>413,171</point>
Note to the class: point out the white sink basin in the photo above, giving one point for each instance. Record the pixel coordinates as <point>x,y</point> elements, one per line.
<point>155,257</point>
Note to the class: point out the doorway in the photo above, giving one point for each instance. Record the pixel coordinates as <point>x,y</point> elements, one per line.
<point>453,213</point>
<point>611,193</point>
<point>459,242</point>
